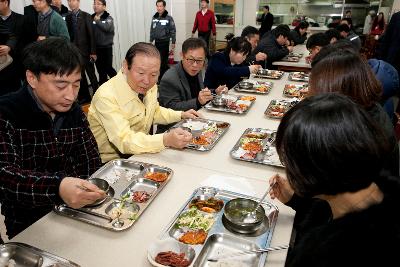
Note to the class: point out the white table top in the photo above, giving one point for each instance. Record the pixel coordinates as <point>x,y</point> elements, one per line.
<point>302,62</point>
<point>93,246</point>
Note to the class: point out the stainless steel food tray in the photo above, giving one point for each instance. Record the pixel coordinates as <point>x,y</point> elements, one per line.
<point>290,58</point>
<point>220,239</point>
<point>286,104</point>
<point>268,154</point>
<point>268,86</point>
<point>220,129</point>
<point>298,76</point>
<point>271,74</point>
<point>124,176</point>
<point>211,106</point>
<point>297,88</point>
<point>25,255</point>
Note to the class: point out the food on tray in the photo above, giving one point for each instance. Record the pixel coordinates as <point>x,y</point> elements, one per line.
<point>140,196</point>
<point>194,237</point>
<point>296,90</point>
<point>194,219</point>
<point>173,259</point>
<point>123,212</point>
<point>301,76</point>
<point>222,125</point>
<point>209,205</point>
<point>200,140</point>
<point>277,110</point>
<point>252,146</point>
<point>194,125</point>
<point>256,135</point>
<point>249,98</point>
<point>156,176</point>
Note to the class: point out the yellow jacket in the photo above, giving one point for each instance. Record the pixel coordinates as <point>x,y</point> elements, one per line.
<point>121,123</point>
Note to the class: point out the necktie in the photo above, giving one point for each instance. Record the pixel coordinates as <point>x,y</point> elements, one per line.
<point>141,97</point>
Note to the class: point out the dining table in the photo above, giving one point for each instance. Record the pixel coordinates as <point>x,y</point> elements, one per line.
<point>90,246</point>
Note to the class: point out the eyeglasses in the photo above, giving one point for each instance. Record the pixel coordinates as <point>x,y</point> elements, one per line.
<point>191,61</point>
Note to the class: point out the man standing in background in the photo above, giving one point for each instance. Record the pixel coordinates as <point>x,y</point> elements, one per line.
<point>267,20</point>
<point>103,29</point>
<point>11,25</point>
<point>368,22</point>
<point>81,31</point>
<point>162,31</point>
<point>205,24</point>
<point>59,7</point>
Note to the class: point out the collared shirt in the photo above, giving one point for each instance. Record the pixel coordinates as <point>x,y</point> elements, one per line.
<point>43,27</point>
<point>121,122</point>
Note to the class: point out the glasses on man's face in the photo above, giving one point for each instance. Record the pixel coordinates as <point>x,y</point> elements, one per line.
<point>192,61</point>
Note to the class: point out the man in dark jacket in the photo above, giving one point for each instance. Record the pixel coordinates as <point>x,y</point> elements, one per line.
<point>47,148</point>
<point>267,20</point>
<point>163,31</point>
<point>182,86</point>
<point>59,7</point>
<point>274,45</point>
<point>389,48</point>
<point>11,26</point>
<point>103,29</point>
<point>81,30</point>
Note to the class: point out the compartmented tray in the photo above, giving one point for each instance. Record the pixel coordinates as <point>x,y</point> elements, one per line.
<point>206,133</point>
<point>257,145</point>
<point>259,87</point>
<point>277,108</point>
<point>24,255</point>
<point>269,74</point>
<point>298,76</point>
<point>238,104</point>
<point>291,58</point>
<point>133,186</point>
<point>220,238</point>
<point>296,90</point>
<point>293,54</point>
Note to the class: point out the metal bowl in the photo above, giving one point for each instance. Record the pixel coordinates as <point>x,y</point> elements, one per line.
<point>101,184</point>
<point>236,210</point>
<point>218,101</point>
<point>246,85</point>
<point>262,72</point>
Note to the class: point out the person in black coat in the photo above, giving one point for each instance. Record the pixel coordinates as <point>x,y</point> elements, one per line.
<point>81,31</point>
<point>389,43</point>
<point>11,27</point>
<point>228,67</point>
<point>275,45</point>
<point>299,34</point>
<point>267,20</point>
<point>333,152</point>
<point>59,7</point>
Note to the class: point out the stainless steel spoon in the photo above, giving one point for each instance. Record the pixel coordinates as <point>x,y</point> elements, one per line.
<point>251,217</point>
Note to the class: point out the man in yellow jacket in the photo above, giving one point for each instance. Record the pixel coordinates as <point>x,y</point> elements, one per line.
<point>124,108</point>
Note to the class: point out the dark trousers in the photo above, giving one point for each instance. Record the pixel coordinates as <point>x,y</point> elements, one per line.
<point>163,48</point>
<point>84,94</point>
<point>10,79</point>
<point>104,64</point>
<point>206,37</point>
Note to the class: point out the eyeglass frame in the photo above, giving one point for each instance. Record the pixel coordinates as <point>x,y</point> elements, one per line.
<point>191,61</point>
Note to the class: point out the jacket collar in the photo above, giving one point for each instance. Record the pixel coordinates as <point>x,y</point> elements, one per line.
<point>124,93</point>
<point>163,15</point>
<point>103,16</point>
<point>182,77</point>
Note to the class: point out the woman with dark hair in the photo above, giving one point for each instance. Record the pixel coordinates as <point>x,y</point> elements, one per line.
<point>299,34</point>
<point>228,67</point>
<point>378,26</point>
<point>333,152</point>
<point>345,72</point>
